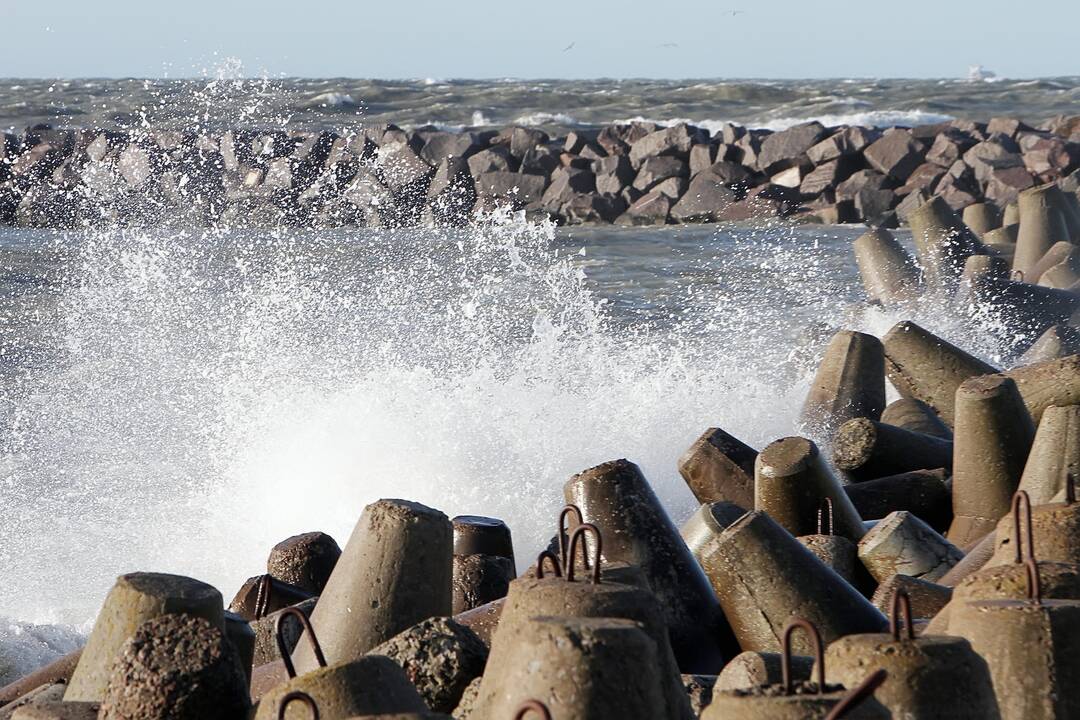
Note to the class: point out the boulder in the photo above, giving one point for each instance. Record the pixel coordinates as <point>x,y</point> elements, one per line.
<point>673,187</point>
<point>541,160</point>
<point>442,145</point>
<point>674,141</point>
<point>948,147</point>
<point>843,143</point>
<point>1010,127</point>
<point>520,190</point>
<point>650,209</point>
<point>871,194</point>
<point>826,177</point>
<point>613,173</point>
<point>925,177</point>
<point>704,200</point>
<point>565,183</point>
<point>452,194</point>
<point>701,157</point>
<point>519,140</point>
<point>592,208</point>
<point>578,140</point>
<point>1048,156</point>
<point>402,170</point>
<point>1003,185</point>
<point>787,148</point>
<point>995,153</point>
<point>494,159</point>
<point>730,133</point>
<point>655,169</point>
<point>896,154</point>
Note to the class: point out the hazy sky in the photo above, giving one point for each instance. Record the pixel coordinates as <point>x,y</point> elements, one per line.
<point>478,38</point>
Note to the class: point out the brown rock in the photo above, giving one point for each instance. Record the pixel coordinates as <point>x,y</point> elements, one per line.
<point>896,154</point>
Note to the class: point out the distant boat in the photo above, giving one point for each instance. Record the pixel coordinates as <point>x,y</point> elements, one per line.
<point>977,73</point>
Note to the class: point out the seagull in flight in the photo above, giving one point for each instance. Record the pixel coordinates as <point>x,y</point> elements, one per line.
<point>569,47</point>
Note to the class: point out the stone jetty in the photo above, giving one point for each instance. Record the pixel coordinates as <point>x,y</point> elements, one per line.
<point>628,174</point>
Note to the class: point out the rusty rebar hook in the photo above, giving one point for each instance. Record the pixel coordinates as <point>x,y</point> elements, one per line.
<point>297,695</point>
<point>579,533</point>
<point>901,606</point>
<point>1018,498</point>
<point>547,555</point>
<point>564,530</point>
<point>308,630</point>
<point>532,706</point>
<point>861,692</point>
<point>826,503</point>
<point>785,655</point>
<point>262,597</point>
<point>1034,583</point>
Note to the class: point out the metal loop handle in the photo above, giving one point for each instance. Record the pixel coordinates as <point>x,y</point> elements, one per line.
<point>826,503</point>
<point>861,692</point>
<point>785,655</point>
<point>1020,497</point>
<point>901,606</point>
<point>262,598</point>
<point>532,706</point>
<point>547,555</point>
<point>302,697</point>
<point>308,630</point>
<point>579,533</point>
<point>564,530</point>
<point>1034,583</point>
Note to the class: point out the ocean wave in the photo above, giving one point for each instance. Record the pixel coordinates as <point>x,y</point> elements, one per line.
<point>546,118</point>
<point>337,100</point>
<point>869,118</point>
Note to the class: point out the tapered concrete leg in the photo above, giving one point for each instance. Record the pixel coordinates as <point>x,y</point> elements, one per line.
<point>888,272</point>
<point>902,543</point>
<point>866,450</point>
<point>1059,252</point>
<point>1055,382</point>
<point>749,669</point>
<point>925,367</point>
<point>850,383</point>
<point>1058,342</point>
<point>993,437</point>
<point>1041,225</point>
<point>1055,454</point>
<point>720,467</point>
<point>981,218</point>
<point>916,416</point>
<point>304,561</point>
<point>394,572</point>
<point>942,241</point>
<point>926,598</point>
<point>924,493</point>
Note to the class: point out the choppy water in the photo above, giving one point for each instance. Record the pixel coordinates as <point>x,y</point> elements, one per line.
<point>180,402</point>
<point>556,104</point>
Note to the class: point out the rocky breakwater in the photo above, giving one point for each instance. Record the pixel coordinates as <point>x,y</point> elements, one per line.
<point>630,174</point>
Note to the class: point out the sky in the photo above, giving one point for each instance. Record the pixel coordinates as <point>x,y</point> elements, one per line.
<point>483,39</point>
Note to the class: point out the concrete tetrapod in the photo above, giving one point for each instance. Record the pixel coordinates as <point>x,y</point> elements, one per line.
<point>242,636</point>
<point>792,482</point>
<point>922,366</point>
<point>707,522</point>
<point>751,668</point>
<point>263,594</point>
<point>804,700</point>
<point>981,218</point>
<point>47,694</point>
<point>1024,311</point>
<point>1057,342</point>
<point>394,572</point>
<point>304,561</point>
<point>177,667</point>
<point>1063,276</point>
<point>889,273</point>
<point>924,493</point>
<point>478,535</point>
<point>638,531</point>
<point>567,597</point>
<point>763,576</point>
<point>849,383</point>
<point>916,416</point>
<point>1030,648</point>
<point>134,599</point>
<point>1055,382</point>
<point>1059,252</point>
<point>1054,528</point>
<point>993,437</point>
<point>835,551</point>
<point>931,677</point>
<point>1054,456</point>
<point>581,668</point>
<point>479,579</point>
<point>902,543</point>
<point>57,672</point>
<point>867,450</point>
<point>942,242</point>
<point>926,598</point>
<point>719,466</point>
<point>370,685</point>
<point>1041,225</point>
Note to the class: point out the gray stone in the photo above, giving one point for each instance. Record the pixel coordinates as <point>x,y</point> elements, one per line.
<point>494,159</point>
<point>674,141</point>
<point>656,169</point>
<point>788,147</point>
<point>704,200</point>
<point>440,657</point>
<point>650,209</point>
<point>520,140</point>
<point>701,157</point>
<point>1003,184</point>
<point>995,153</point>
<point>949,147</point>
<point>593,208</point>
<point>565,183</point>
<point>452,194</point>
<point>402,170</point>
<point>613,173</point>
<point>444,145</point>
<point>925,177</point>
<point>521,190</point>
<point>578,140</point>
<point>896,154</point>
<point>540,160</point>
<point>847,142</point>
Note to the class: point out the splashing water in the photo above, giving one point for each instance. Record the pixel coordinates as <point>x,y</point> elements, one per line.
<point>201,396</point>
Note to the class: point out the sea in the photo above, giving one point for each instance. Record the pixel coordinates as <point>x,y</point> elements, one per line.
<point>180,400</point>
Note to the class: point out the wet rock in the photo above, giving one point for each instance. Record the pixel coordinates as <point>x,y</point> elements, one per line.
<point>613,173</point>
<point>542,160</point>
<point>520,190</point>
<point>896,154</point>
<point>701,157</point>
<point>519,140</point>
<point>452,194</point>
<point>674,141</point>
<point>495,159</point>
<point>565,183</point>
<point>786,148</point>
<point>440,657</point>
<point>948,148</point>
<point>650,209</point>
<point>592,208</point>
<point>705,200</point>
<point>826,177</point>
<point>442,146</point>
<point>655,170</point>
<point>925,178</point>
<point>847,142</point>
